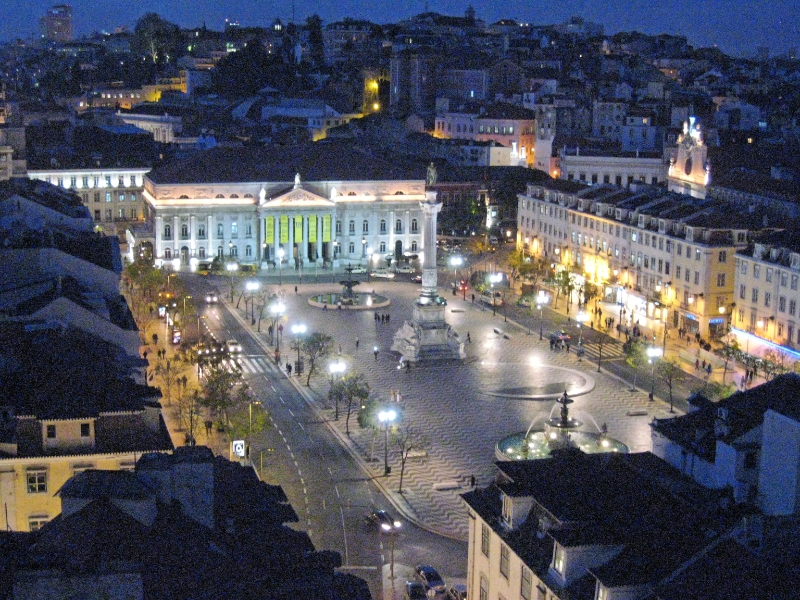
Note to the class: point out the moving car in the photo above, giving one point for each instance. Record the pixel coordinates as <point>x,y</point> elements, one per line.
<point>212,298</point>
<point>415,591</point>
<point>416,279</point>
<point>385,273</point>
<point>384,521</point>
<point>355,269</point>
<point>233,347</point>
<point>404,269</point>
<point>492,298</point>
<point>429,577</point>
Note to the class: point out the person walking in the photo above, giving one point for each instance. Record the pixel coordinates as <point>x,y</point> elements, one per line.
<point>295,289</point>
<point>469,340</point>
<point>408,366</point>
<point>289,368</point>
<point>357,343</point>
<point>375,352</point>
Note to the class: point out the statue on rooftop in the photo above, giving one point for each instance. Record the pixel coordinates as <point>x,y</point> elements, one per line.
<point>432,175</point>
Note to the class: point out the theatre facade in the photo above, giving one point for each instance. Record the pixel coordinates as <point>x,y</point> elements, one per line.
<point>307,206</point>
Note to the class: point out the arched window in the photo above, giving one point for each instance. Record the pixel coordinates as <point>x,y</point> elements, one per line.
<point>338,228</point>
<point>382,247</point>
<point>184,231</point>
<point>413,226</point>
<point>248,195</point>
<point>183,197</point>
<point>414,246</point>
<point>167,252</point>
<point>234,230</point>
<point>219,251</point>
<point>234,251</point>
<point>167,232</point>
<point>234,195</point>
<point>399,193</point>
<point>220,231</point>
<point>351,194</point>
<point>248,231</point>
<point>352,228</point>
<point>398,226</point>
<point>365,226</point>
<point>383,225</point>
<point>352,248</point>
<point>201,231</point>
<point>248,251</point>
<point>220,196</point>
<point>201,252</point>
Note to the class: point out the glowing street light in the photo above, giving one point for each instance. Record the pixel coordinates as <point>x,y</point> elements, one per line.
<point>298,330</point>
<point>581,318</point>
<point>541,300</point>
<point>653,353</point>
<point>281,252</point>
<point>336,368</point>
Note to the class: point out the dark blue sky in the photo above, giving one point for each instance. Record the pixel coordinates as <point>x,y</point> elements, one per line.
<point>736,26</point>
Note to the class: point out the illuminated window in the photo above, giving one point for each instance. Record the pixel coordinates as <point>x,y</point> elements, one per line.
<point>35,523</point>
<point>37,481</point>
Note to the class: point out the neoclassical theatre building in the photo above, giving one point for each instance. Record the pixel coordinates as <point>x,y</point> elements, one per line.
<point>313,205</point>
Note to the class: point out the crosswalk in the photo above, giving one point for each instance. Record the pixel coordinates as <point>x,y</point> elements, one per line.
<point>611,350</point>
<point>252,365</point>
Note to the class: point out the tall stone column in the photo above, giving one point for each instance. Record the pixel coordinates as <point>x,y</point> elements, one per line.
<point>430,210</point>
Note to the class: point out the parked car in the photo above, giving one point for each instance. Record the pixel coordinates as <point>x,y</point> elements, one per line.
<point>384,273</point>
<point>356,269</point>
<point>492,298</point>
<point>383,521</point>
<point>429,577</point>
<point>404,269</point>
<point>233,347</point>
<point>416,279</point>
<point>415,591</point>
<point>457,591</point>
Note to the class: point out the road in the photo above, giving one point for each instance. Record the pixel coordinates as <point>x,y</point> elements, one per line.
<point>325,485</point>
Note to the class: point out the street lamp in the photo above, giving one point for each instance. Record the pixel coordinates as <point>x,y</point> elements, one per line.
<point>250,426</point>
<point>298,330</point>
<point>183,319</point>
<point>653,353</point>
<point>386,417</point>
<point>252,287</point>
<point>335,368</point>
<point>541,300</point>
<point>276,310</point>
<point>281,252</point>
<point>581,318</point>
<point>495,278</point>
<point>231,268</point>
<point>456,262</point>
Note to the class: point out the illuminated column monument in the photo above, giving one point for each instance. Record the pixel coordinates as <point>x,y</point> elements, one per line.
<point>427,336</point>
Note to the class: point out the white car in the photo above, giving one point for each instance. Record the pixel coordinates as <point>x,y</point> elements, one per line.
<point>356,269</point>
<point>405,269</point>
<point>233,347</point>
<point>385,273</point>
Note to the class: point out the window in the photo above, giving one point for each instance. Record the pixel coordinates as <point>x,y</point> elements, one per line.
<point>398,226</point>
<point>248,231</point>
<point>108,180</point>
<point>351,248</point>
<point>365,226</point>
<point>723,256</point>
<point>697,277</point>
<point>794,282</point>
<point>85,429</point>
<point>108,196</point>
<point>234,230</point>
<point>352,227</point>
<point>108,215</point>
<point>697,253</point>
<point>219,251</point>
<point>35,523</point>
<point>167,232</point>
<point>248,251</point>
<point>167,252</point>
<point>768,276</point>
<point>767,299</point>
<point>784,279</point>
<point>414,226</point>
<point>677,272</point>
<point>383,225</point>
<point>782,304</point>
<point>134,214</point>
<point>85,181</point>
<point>414,246</point>
<point>184,231</point>
<point>720,279</point>
<point>234,251</point>
<point>754,296</point>
<point>484,592</point>
<point>792,307</point>
<point>97,215</point>
<point>220,230</point>
<point>526,583</point>
<point>121,213</point>
<point>559,559</point>
<point>743,270</point>
<point>201,252</point>
<point>382,247</point>
<point>201,232</point>
<point>37,481</point>
<point>742,291</point>
<point>338,228</point>
<point>485,537</point>
<point>756,271</point>
<point>122,197</point>
<point>51,432</point>
<point>504,560</point>
<point>97,196</point>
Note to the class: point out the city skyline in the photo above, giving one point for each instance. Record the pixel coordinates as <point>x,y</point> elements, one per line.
<point>716,22</point>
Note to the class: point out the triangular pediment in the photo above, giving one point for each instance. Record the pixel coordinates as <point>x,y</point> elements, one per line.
<point>297,198</point>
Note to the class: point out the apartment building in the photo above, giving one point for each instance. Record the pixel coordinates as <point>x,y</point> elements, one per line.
<point>658,255</point>
<point>767,290</point>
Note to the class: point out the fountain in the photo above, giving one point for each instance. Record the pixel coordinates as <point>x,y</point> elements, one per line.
<point>562,431</point>
<point>349,299</point>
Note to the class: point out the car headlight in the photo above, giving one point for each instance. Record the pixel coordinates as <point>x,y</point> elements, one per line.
<point>397,523</point>
<point>385,526</point>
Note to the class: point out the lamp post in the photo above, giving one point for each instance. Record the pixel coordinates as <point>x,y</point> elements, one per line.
<point>183,316</point>
<point>495,278</point>
<point>298,330</point>
<point>231,268</point>
<point>276,310</point>
<point>335,368</point>
<point>252,287</point>
<point>653,353</point>
<point>541,300</point>
<point>369,261</point>
<point>456,262</point>
<point>386,417</point>
<point>581,318</point>
<point>280,266</point>
<point>363,247</point>
<point>250,426</point>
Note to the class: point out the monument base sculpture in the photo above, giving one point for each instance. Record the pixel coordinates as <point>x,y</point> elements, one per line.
<point>427,336</point>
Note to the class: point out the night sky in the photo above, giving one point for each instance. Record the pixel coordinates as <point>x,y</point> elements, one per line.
<point>736,26</point>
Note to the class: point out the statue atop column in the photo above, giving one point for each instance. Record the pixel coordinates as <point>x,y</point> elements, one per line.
<point>432,176</point>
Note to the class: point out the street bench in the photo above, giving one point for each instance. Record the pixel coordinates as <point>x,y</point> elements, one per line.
<point>446,485</point>
<point>417,454</point>
<point>637,413</point>
<point>501,332</point>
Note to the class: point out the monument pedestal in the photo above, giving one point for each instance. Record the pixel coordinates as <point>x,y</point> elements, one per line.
<point>427,336</point>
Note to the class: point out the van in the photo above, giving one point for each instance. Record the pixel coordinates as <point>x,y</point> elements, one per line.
<point>492,298</point>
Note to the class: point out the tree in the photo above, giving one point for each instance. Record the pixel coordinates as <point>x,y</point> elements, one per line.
<point>635,351</point>
<point>218,392</point>
<point>315,348</point>
<point>315,41</point>
<point>478,245</point>
<point>729,351</point>
<point>533,270</point>
<point>776,362</point>
<point>189,413</point>
<point>245,419</point>
<point>668,369</point>
<point>157,38</point>
<point>368,418</point>
<point>714,391</point>
<point>565,284</point>
<point>406,440</point>
<point>590,292</point>
<point>351,388</point>
<point>171,372</point>
<point>515,262</point>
